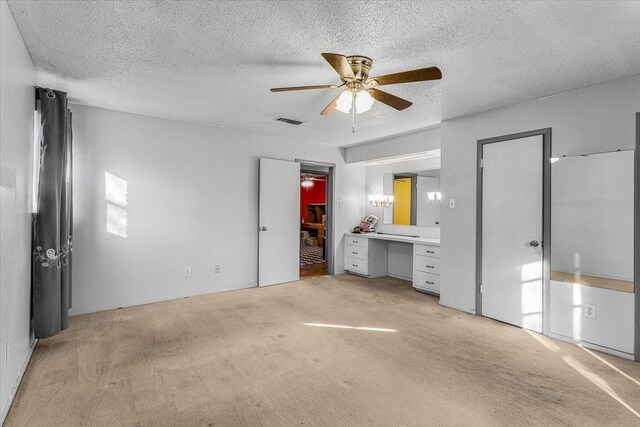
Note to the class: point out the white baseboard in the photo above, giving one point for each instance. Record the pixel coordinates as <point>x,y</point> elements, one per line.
<point>75,312</point>
<point>23,368</point>
<point>591,346</point>
<point>466,310</point>
<point>396,276</point>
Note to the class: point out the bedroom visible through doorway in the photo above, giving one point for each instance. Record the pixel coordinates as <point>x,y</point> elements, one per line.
<point>313,224</point>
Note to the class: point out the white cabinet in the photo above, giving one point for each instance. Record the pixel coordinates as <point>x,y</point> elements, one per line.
<point>359,252</point>
<point>426,268</point>
<point>370,256</point>
<point>366,257</point>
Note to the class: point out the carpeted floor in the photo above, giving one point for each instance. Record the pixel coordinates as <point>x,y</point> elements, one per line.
<point>247,358</point>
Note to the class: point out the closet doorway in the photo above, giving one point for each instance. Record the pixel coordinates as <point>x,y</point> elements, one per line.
<point>315,220</point>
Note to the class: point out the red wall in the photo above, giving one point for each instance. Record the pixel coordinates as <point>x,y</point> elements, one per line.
<point>315,194</point>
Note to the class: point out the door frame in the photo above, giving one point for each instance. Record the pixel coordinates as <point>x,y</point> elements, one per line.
<point>636,231</point>
<point>327,169</point>
<point>546,216</point>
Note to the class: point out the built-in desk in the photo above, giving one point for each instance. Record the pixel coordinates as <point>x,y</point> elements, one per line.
<point>366,255</point>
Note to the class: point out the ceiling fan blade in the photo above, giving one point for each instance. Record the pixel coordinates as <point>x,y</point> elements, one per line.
<point>340,64</point>
<point>331,108</point>
<point>286,89</point>
<point>390,100</point>
<point>420,75</point>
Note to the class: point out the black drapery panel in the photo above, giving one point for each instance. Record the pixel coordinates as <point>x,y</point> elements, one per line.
<point>53,220</point>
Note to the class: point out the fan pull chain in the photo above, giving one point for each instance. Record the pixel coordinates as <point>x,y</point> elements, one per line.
<point>353,112</point>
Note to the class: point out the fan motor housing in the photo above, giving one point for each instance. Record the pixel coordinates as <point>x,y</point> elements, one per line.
<point>360,65</point>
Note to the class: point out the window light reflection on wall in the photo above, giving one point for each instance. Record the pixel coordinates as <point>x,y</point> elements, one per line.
<point>116,189</point>
<point>116,195</point>
<point>116,220</point>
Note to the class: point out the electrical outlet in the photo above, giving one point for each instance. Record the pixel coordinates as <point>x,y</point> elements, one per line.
<point>452,203</point>
<point>589,310</point>
<point>187,272</point>
<point>216,269</point>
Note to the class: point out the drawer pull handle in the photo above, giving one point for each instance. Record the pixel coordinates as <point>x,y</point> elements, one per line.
<point>354,265</point>
<point>430,266</point>
<point>430,252</point>
<point>428,282</point>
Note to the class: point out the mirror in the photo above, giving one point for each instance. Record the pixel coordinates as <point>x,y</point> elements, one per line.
<point>592,220</point>
<point>416,198</point>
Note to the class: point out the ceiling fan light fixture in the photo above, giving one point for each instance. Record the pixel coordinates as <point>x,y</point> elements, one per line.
<point>343,104</point>
<point>361,89</point>
<point>364,101</point>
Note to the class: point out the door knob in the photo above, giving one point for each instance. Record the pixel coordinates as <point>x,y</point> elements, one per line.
<point>264,229</point>
<point>534,243</point>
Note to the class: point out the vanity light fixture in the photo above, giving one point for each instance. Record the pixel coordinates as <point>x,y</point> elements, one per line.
<point>380,201</point>
<point>434,198</point>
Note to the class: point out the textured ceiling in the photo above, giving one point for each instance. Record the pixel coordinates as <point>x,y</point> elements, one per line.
<point>214,62</point>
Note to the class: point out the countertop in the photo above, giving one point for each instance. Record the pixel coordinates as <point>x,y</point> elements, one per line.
<point>396,238</point>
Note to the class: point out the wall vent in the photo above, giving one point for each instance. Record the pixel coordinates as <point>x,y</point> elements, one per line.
<point>290,121</point>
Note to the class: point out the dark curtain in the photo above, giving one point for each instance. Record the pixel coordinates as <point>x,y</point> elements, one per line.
<point>53,220</point>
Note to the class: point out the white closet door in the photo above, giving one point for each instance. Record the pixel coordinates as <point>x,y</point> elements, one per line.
<point>512,270</point>
<point>279,224</point>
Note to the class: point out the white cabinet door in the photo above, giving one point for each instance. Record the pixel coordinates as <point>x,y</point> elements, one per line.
<point>512,231</point>
<point>279,225</point>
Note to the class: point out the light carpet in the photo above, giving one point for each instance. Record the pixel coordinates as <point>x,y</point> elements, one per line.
<point>250,357</point>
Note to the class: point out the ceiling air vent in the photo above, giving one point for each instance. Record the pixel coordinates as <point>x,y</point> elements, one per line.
<point>290,121</point>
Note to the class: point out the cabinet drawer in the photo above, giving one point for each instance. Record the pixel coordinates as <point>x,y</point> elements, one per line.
<point>426,250</point>
<point>356,252</point>
<point>356,241</point>
<point>426,281</point>
<point>355,265</point>
<point>426,264</point>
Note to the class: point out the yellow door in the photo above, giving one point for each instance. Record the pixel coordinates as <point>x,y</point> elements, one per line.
<point>402,201</point>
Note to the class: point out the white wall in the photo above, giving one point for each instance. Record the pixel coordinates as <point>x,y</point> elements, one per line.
<point>592,201</point>
<point>17,76</point>
<point>613,326</point>
<point>591,119</point>
<point>395,146</point>
<point>192,202</point>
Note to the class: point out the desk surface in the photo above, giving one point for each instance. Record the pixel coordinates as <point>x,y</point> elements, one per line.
<point>397,238</point>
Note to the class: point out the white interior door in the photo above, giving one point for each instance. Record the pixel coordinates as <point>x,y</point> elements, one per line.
<point>512,218</point>
<point>279,224</point>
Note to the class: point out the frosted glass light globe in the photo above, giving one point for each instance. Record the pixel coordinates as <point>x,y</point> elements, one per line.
<point>343,103</point>
<point>364,101</point>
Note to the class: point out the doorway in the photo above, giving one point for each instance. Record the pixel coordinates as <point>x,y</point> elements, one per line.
<point>513,228</point>
<point>314,220</point>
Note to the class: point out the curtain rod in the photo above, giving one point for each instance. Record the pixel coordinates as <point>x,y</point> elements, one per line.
<point>617,150</point>
<point>50,93</point>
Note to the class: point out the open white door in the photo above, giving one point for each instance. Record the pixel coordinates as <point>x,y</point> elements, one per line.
<point>279,224</point>
<point>512,221</point>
